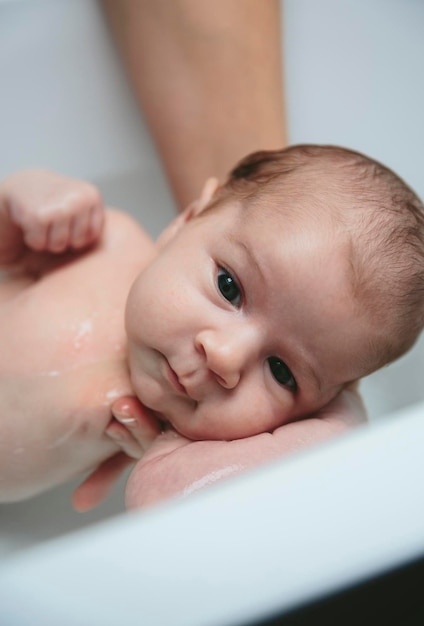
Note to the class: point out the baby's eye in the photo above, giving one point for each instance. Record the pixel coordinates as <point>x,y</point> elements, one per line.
<point>228,287</point>
<point>281,373</point>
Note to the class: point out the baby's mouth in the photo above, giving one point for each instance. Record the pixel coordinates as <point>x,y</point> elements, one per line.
<point>174,380</point>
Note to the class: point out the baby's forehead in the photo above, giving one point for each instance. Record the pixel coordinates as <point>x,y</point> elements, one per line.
<point>289,211</point>
<point>304,220</point>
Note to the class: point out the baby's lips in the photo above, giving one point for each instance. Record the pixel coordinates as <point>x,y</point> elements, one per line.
<point>130,412</point>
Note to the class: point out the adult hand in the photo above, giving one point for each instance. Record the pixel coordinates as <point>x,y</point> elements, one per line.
<point>175,466</point>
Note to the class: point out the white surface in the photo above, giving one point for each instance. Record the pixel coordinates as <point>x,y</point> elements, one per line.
<point>354,76</point>
<point>257,545</point>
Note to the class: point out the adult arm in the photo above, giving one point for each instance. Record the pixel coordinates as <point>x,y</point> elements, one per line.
<point>208,76</point>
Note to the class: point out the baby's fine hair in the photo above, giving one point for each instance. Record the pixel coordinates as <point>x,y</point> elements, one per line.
<point>381,216</point>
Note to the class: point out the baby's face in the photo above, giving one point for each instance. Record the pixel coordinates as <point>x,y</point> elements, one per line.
<point>244,322</point>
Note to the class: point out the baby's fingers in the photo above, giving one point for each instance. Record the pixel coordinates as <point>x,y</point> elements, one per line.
<point>58,236</point>
<point>124,439</point>
<point>139,422</point>
<point>36,237</point>
<point>55,213</point>
<point>87,226</point>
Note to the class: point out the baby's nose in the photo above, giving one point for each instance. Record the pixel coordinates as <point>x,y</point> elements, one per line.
<point>227,354</point>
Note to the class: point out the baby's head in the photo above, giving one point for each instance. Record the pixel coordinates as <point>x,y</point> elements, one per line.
<point>301,274</point>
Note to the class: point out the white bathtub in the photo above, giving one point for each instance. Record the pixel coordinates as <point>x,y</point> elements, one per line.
<point>354,77</point>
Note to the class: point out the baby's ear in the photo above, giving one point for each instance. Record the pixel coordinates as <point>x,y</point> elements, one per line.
<point>193,209</point>
<point>207,193</point>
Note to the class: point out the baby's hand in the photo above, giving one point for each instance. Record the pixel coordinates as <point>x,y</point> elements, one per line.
<point>54,213</point>
<point>133,429</point>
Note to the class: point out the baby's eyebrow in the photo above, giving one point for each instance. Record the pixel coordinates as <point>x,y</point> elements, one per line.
<point>248,253</point>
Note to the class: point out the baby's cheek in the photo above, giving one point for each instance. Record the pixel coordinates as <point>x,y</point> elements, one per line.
<point>306,406</point>
<point>263,411</point>
<point>238,417</point>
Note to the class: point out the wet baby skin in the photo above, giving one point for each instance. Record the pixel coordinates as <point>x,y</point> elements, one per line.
<point>67,267</point>
<point>215,352</point>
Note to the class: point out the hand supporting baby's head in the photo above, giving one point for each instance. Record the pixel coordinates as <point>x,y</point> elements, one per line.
<point>269,295</point>
<point>300,274</point>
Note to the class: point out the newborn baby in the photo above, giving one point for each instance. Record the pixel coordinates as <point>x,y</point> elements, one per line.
<point>259,304</point>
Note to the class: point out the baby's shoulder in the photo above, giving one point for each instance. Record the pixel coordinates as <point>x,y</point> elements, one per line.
<point>124,241</point>
<point>121,226</point>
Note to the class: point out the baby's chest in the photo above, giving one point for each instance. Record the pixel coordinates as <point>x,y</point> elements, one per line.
<point>68,320</point>
<point>61,412</point>
<point>63,356</point>
<point>73,316</point>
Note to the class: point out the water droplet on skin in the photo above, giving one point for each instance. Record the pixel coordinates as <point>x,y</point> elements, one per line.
<point>210,478</point>
<point>83,331</point>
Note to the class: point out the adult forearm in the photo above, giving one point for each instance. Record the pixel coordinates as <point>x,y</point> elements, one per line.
<point>208,76</point>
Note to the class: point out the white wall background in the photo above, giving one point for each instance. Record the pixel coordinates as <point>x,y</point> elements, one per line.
<point>354,76</point>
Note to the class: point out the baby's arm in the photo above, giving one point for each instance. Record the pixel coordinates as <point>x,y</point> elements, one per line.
<point>45,212</point>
